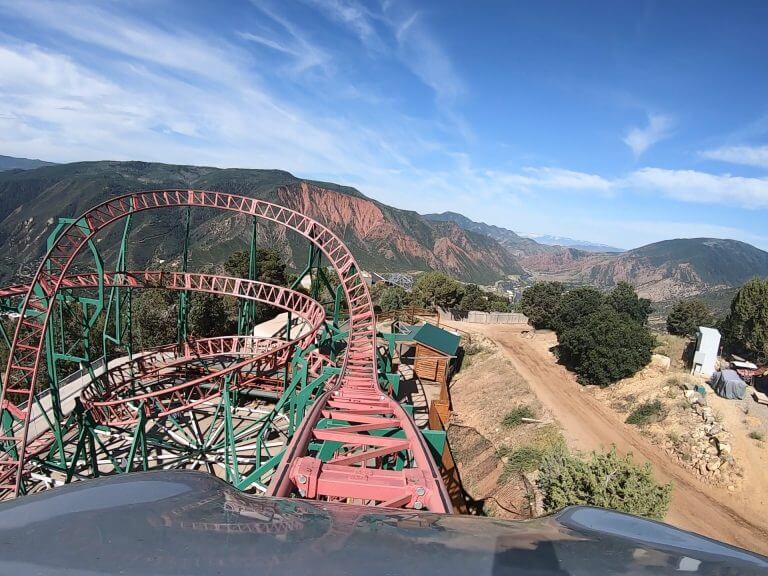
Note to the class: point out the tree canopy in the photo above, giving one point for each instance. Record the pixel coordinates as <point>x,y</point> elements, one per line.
<point>746,326</point>
<point>687,316</point>
<point>541,304</point>
<point>625,300</point>
<point>436,289</point>
<point>605,346</point>
<point>393,298</point>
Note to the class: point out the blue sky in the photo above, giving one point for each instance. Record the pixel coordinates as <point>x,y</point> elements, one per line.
<point>617,122</point>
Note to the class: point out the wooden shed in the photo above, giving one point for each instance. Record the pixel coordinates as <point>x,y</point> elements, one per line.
<point>435,350</point>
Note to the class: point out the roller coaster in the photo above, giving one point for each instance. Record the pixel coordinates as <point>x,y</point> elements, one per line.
<point>310,413</point>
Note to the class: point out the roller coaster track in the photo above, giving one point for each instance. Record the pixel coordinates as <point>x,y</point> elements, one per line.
<point>356,444</point>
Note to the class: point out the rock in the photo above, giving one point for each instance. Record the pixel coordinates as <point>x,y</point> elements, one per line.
<point>724,447</point>
<point>661,362</point>
<point>713,465</point>
<point>703,468</point>
<point>711,450</point>
<point>731,488</point>
<point>714,429</point>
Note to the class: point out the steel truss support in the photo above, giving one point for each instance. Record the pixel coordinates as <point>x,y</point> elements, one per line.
<point>332,459</point>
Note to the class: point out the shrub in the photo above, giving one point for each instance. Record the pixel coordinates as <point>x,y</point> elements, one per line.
<point>576,305</point>
<point>687,316</point>
<point>516,415</point>
<point>525,459</point>
<point>541,303</point>
<point>625,300</point>
<point>393,298</point>
<point>755,435</point>
<point>605,347</point>
<point>646,413</point>
<point>746,326</point>
<point>436,289</point>
<point>605,480</point>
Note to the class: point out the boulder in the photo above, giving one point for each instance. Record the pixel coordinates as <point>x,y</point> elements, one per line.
<point>661,362</point>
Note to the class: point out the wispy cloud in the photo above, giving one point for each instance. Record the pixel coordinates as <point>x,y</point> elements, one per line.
<point>702,187</point>
<point>659,128</point>
<point>289,39</point>
<point>411,42</point>
<point>173,49</point>
<point>547,178</point>
<point>357,18</point>
<point>745,155</point>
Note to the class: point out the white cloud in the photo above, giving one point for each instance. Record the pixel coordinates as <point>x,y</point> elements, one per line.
<point>746,155</point>
<point>641,139</point>
<point>357,18</point>
<point>289,39</point>
<point>702,187</point>
<point>547,178</point>
<point>174,49</point>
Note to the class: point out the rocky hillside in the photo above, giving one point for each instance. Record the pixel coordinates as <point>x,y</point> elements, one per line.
<point>661,271</point>
<point>382,238</point>
<point>516,244</point>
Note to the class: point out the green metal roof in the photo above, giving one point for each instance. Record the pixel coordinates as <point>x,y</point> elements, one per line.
<point>437,338</point>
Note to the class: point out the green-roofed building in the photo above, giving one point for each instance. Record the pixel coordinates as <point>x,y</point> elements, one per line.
<point>436,348</point>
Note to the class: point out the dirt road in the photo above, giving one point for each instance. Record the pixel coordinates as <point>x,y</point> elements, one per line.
<point>588,425</point>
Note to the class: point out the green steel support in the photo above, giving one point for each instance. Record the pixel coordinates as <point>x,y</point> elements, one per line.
<point>118,309</point>
<point>181,321</point>
<point>247,311</point>
<point>231,465</point>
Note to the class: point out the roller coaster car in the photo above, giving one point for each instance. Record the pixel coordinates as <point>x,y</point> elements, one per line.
<point>192,523</point>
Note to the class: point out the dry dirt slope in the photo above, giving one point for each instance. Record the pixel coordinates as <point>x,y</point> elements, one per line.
<point>588,424</point>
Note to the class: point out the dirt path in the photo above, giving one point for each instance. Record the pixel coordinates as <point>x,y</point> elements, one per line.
<point>588,425</point>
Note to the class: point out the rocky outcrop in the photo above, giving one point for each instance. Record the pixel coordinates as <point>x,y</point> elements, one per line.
<point>707,448</point>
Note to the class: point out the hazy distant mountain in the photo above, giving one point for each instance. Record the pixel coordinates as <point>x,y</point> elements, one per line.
<point>660,271</point>
<point>11,163</point>
<point>518,245</point>
<point>584,245</point>
<point>381,237</point>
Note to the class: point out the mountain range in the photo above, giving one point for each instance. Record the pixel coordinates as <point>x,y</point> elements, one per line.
<point>383,238</point>
<point>584,245</point>
<point>11,163</point>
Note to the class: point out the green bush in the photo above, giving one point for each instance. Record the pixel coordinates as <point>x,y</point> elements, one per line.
<point>625,300</point>
<point>606,346</point>
<point>576,305</point>
<point>541,303</point>
<point>755,435</point>
<point>647,412</point>
<point>687,316</point>
<point>393,298</point>
<point>515,416</point>
<point>605,480</point>
<point>525,459</point>
<point>746,327</point>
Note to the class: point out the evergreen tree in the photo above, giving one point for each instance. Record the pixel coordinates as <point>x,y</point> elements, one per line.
<point>687,316</point>
<point>746,326</point>
<point>625,300</point>
<point>541,304</point>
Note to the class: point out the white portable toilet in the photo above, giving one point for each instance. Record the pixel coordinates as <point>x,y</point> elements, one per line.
<point>707,345</point>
